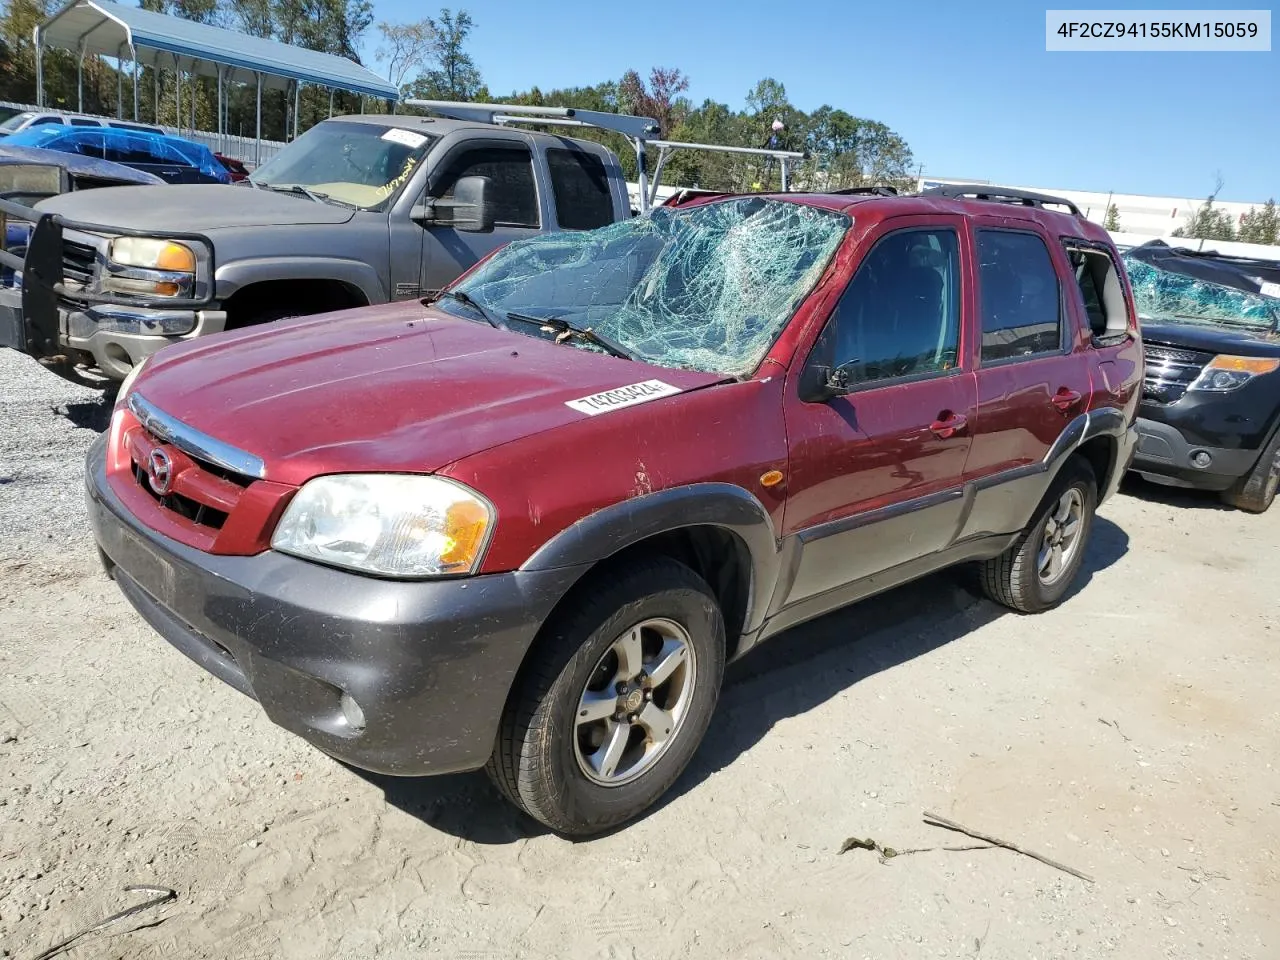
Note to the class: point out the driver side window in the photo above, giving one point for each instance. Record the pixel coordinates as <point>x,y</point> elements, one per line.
<point>900,314</point>
<point>512,191</point>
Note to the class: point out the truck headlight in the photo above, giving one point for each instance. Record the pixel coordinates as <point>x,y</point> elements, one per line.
<point>390,525</point>
<point>149,266</point>
<point>1225,372</point>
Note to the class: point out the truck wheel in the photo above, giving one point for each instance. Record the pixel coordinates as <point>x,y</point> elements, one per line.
<point>1035,573</point>
<point>267,315</point>
<point>1256,490</point>
<point>612,704</point>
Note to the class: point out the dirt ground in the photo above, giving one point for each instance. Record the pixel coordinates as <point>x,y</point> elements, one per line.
<point>1131,734</point>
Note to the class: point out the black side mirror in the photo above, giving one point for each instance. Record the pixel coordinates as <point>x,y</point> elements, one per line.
<point>468,209</point>
<point>820,383</point>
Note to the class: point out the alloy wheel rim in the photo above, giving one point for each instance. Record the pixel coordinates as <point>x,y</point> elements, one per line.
<point>1061,538</point>
<point>635,702</point>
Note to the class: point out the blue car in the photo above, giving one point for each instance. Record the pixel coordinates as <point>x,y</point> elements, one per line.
<point>172,159</point>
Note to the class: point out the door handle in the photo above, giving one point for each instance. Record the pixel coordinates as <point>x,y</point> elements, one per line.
<point>1065,399</point>
<point>948,425</point>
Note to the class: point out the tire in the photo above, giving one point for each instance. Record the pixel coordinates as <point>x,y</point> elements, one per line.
<point>1256,490</point>
<point>268,315</point>
<point>559,768</point>
<point>1015,578</point>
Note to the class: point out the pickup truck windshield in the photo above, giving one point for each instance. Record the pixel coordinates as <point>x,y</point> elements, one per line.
<point>362,164</point>
<point>705,288</point>
<point>1168,296</point>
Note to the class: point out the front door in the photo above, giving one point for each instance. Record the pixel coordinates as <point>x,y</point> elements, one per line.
<point>875,474</point>
<point>513,195</point>
<point>1033,371</point>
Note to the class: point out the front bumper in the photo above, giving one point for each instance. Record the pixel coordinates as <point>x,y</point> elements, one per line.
<point>114,339</point>
<point>429,663</point>
<point>1164,455</point>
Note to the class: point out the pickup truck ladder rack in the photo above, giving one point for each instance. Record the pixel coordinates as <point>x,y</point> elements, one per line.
<point>1024,198</point>
<point>637,130</point>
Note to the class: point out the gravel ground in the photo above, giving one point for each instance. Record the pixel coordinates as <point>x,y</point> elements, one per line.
<point>1130,734</point>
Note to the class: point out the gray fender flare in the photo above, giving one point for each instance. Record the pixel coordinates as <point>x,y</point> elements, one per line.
<point>602,534</point>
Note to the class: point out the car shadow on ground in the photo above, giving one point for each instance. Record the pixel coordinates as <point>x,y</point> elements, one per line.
<point>1184,498</point>
<point>784,677</point>
<point>92,415</point>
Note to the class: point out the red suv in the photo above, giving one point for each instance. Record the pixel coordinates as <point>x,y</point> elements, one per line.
<point>525,525</point>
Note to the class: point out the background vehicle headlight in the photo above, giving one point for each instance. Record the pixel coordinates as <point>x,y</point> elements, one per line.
<point>153,254</point>
<point>1225,372</point>
<point>391,525</point>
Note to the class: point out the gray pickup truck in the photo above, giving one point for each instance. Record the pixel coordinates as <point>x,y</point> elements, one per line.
<point>359,210</point>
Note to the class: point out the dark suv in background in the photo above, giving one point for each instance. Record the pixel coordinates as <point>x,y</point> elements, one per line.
<point>1210,415</point>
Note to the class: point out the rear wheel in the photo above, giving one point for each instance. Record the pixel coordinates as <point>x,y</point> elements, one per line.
<point>612,705</point>
<point>1256,490</point>
<point>1037,571</point>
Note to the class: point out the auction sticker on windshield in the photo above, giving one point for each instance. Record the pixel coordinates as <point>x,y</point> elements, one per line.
<point>407,137</point>
<point>619,397</point>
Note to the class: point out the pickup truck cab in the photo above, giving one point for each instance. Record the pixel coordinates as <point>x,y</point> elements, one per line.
<point>524,525</point>
<point>1210,414</point>
<point>358,210</point>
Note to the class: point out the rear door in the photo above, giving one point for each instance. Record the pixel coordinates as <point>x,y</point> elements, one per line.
<point>513,196</point>
<point>876,475</point>
<point>1033,367</point>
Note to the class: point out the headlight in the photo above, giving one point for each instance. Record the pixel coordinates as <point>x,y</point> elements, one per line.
<point>127,383</point>
<point>391,525</point>
<point>153,254</point>
<point>148,266</point>
<point>1225,372</point>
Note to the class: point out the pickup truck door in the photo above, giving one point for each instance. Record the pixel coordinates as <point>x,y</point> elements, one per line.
<point>513,197</point>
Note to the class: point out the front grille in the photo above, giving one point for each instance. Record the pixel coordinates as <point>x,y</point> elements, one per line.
<point>78,260</point>
<point>1170,370</point>
<point>193,510</point>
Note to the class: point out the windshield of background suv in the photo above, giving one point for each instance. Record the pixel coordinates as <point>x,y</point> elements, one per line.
<point>362,164</point>
<point>705,288</point>
<point>1167,296</point>
<point>15,121</point>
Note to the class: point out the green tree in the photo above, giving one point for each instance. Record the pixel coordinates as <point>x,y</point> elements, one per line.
<point>455,75</point>
<point>1208,222</point>
<point>1112,220</point>
<point>1260,226</point>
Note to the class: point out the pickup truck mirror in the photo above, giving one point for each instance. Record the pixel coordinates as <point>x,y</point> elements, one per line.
<point>468,209</point>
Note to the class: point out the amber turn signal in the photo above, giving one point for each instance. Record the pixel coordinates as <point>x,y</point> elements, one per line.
<point>771,479</point>
<point>1253,365</point>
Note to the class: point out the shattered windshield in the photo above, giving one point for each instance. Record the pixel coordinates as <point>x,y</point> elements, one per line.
<point>360,164</point>
<point>1168,296</point>
<point>704,288</point>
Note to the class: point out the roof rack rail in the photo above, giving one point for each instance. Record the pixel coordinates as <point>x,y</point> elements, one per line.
<point>639,131</point>
<point>1024,198</point>
<point>880,191</point>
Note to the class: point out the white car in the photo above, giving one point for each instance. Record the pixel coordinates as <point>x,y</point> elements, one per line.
<point>21,121</point>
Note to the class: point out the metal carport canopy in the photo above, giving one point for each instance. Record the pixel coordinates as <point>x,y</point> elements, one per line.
<point>157,40</point>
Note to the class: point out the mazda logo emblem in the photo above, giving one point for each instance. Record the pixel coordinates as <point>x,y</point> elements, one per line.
<point>160,471</point>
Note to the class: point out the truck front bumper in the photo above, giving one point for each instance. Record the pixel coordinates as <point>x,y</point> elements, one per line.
<point>429,664</point>
<point>1165,456</point>
<point>114,339</point>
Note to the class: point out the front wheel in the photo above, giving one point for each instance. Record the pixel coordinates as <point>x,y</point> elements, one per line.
<point>1035,573</point>
<point>1256,490</point>
<point>613,702</point>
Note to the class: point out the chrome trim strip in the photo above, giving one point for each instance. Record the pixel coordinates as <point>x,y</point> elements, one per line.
<point>193,442</point>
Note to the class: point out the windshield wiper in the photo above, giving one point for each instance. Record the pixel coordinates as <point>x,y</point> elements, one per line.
<point>310,194</point>
<point>568,329</point>
<point>468,300</point>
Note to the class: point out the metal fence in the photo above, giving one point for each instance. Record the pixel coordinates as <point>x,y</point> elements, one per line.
<point>241,148</point>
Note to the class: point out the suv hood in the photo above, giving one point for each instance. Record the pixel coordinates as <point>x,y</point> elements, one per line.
<point>193,208</point>
<point>399,388</point>
<point>1214,339</point>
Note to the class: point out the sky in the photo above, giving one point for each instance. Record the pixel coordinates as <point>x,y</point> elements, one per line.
<point>969,86</point>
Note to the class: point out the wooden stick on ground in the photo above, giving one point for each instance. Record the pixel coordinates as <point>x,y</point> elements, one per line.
<point>936,821</point>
